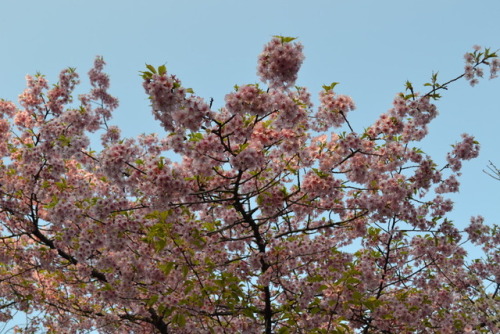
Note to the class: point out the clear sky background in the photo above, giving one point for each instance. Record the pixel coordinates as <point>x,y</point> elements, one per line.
<point>370,47</point>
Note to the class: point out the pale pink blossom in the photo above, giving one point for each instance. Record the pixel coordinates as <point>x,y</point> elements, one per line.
<point>280,62</point>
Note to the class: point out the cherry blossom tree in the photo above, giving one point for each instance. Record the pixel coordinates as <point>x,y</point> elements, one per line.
<point>279,218</point>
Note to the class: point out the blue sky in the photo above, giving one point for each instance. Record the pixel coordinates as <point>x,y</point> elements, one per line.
<point>370,47</point>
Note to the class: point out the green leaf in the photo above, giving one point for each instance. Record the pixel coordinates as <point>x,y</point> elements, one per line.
<point>249,313</point>
<point>188,287</point>
<point>197,136</point>
<point>408,85</point>
<point>162,70</point>
<point>372,303</point>
<point>320,173</point>
<point>434,77</point>
<point>374,231</point>
<point>151,68</point>
<point>190,90</point>
<point>251,119</point>
<point>160,244</point>
<point>64,141</point>
<point>62,185</point>
<point>161,163</point>
<point>52,203</point>
<point>166,268</point>
<point>242,147</point>
<point>198,240</point>
<point>163,310</point>
<point>331,86</point>
<point>152,300</point>
<point>179,319</point>
<point>185,271</point>
<point>146,75</point>
<point>283,330</point>
<point>260,200</point>
<point>285,39</point>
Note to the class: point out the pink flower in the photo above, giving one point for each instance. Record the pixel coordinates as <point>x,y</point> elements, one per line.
<point>249,158</point>
<point>467,149</point>
<point>280,62</point>
<point>333,110</point>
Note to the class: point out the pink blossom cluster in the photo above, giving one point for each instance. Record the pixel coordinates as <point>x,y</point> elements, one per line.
<point>467,149</point>
<point>248,99</point>
<point>333,110</point>
<point>32,97</point>
<point>287,108</point>
<point>171,106</point>
<point>4,132</point>
<point>249,158</point>
<point>477,231</point>
<point>100,84</point>
<point>113,159</point>
<point>291,111</point>
<point>111,135</point>
<point>319,185</point>
<point>449,185</point>
<point>494,68</point>
<point>474,59</point>
<point>408,118</point>
<point>280,62</point>
<point>60,95</point>
<point>472,73</point>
